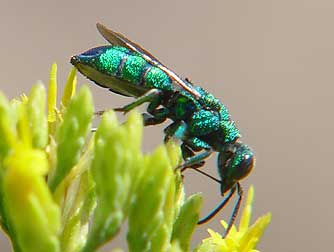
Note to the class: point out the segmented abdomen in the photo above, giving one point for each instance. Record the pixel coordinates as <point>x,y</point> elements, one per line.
<point>129,66</point>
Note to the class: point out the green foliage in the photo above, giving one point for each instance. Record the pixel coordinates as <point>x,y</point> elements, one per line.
<point>64,188</point>
<point>187,221</point>
<point>72,134</point>
<point>150,230</point>
<point>115,168</point>
<point>36,106</point>
<point>33,215</point>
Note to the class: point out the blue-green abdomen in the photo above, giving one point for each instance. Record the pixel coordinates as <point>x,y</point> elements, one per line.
<point>125,65</point>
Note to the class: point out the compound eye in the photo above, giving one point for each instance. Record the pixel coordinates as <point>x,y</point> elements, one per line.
<point>244,166</point>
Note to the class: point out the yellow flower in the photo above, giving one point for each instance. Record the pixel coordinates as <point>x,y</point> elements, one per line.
<point>241,239</point>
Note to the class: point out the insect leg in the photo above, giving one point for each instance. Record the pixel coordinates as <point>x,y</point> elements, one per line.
<point>99,112</point>
<point>176,129</point>
<point>150,96</point>
<point>147,97</point>
<point>198,158</point>
<point>225,199</point>
<point>179,129</point>
<point>223,202</point>
<point>235,209</point>
<point>187,152</point>
<point>152,120</point>
<point>156,115</point>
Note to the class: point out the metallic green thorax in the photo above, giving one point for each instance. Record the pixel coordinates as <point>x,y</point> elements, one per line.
<point>207,119</point>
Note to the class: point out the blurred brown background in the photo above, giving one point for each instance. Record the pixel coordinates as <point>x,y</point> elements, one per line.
<point>271,62</point>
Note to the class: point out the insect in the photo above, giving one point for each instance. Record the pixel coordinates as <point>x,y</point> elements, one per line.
<point>199,120</point>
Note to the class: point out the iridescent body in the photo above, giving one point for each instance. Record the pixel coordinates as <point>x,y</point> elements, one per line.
<point>199,120</point>
<point>129,66</point>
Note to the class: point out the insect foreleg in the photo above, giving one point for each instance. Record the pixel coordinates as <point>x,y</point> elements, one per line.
<point>223,202</point>
<point>235,209</point>
<point>221,205</point>
<point>149,96</point>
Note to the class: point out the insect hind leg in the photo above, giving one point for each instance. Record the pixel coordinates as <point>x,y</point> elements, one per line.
<point>150,96</point>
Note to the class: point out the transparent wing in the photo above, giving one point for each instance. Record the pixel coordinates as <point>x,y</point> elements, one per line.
<point>116,38</point>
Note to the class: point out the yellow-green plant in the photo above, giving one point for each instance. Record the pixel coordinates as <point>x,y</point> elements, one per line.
<point>65,188</point>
